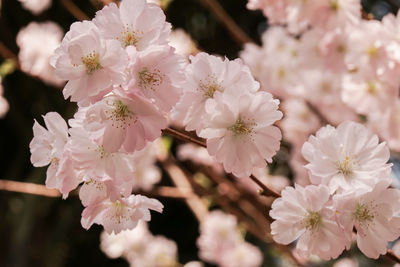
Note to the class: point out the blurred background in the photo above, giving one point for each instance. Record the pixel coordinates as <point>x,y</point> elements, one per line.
<point>44,231</point>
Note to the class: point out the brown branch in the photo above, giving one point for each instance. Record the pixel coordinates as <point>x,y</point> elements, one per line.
<point>184,137</point>
<point>28,188</point>
<point>265,191</point>
<point>237,33</point>
<point>391,255</point>
<point>316,111</point>
<point>74,10</point>
<point>169,192</point>
<point>180,179</point>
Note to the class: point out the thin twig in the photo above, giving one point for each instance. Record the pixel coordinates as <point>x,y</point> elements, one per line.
<point>391,255</point>
<point>28,188</point>
<point>265,191</point>
<point>237,33</point>
<point>315,110</point>
<point>184,137</point>
<point>169,192</point>
<point>74,10</point>
<point>180,179</point>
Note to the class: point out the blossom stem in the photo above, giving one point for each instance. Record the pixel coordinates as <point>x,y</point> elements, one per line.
<point>237,33</point>
<point>265,191</point>
<point>184,137</point>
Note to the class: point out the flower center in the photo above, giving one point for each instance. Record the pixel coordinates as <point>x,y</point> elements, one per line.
<point>334,5</point>
<point>119,209</point>
<point>149,80</point>
<point>372,88</point>
<point>363,214</point>
<point>129,36</point>
<point>120,114</point>
<point>341,48</point>
<point>346,166</point>
<point>91,62</point>
<point>209,87</point>
<point>281,73</point>
<point>372,51</point>
<point>313,220</point>
<point>103,153</point>
<point>241,128</point>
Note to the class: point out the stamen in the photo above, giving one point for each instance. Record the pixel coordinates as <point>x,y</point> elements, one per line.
<point>120,114</point>
<point>129,36</point>
<point>372,88</point>
<point>346,167</point>
<point>241,128</point>
<point>150,80</point>
<point>363,214</point>
<point>313,220</point>
<point>210,86</point>
<point>334,5</point>
<point>91,62</point>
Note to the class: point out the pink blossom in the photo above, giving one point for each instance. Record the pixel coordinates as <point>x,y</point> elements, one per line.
<point>374,215</point>
<point>146,173</point>
<point>92,191</point>
<point>94,160</point>
<point>121,214</point>
<point>328,14</point>
<point>240,133</point>
<point>364,49</point>
<point>128,242</point>
<point>207,77</point>
<point>140,248</point>
<point>91,64</point>
<point>182,42</point>
<point>333,48</point>
<point>135,23</point>
<point>243,254</point>
<point>121,121</point>
<point>346,157</point>
<point>367,92</point>
<point>36,6</point>
<point>218,232</point>
<point>303,213</point>
<point>37,42</point>
<point>387,124</point>
<point>47,147</point>
<point>3,101</point>
<point>298,122</point>
<point>157,74</point>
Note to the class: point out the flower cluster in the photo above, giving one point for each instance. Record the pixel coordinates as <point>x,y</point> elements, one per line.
<point>37,42</point>
<point>221,243</point>
<point>140,248</point>
<point>125,79</point>
<point>128,83</point>
<point>350,190</point>
<point>221,101</point>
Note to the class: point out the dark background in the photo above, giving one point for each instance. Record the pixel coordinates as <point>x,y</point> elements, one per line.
<point>41,231</point>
